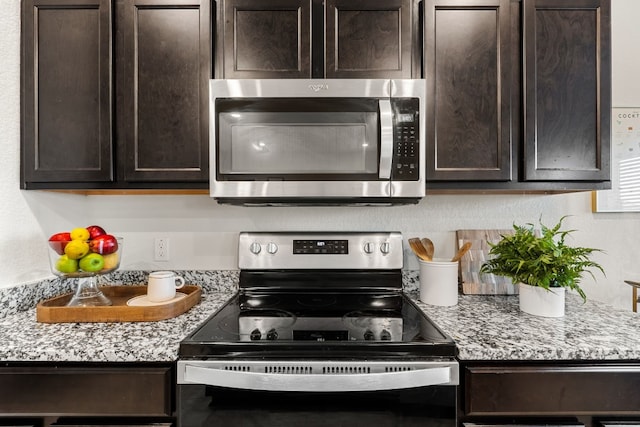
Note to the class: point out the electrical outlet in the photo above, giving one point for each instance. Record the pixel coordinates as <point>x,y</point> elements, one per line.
<point>161,249</point>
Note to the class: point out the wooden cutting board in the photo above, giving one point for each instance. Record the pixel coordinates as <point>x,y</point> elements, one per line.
<point>473,282</point>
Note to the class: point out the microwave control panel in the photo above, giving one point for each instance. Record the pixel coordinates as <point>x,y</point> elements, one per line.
<point>406,139</point>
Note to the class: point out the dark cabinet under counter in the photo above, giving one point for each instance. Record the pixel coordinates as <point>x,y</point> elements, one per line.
<point>556,392</point>
<point>141,391</point>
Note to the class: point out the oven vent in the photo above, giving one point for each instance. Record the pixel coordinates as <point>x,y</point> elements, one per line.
<point>240,368</point>
<point>397,368</point>
<point>301,369</point>
<point>346,370</point>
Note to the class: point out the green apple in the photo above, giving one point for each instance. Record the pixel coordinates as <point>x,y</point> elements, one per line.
<point>66,264</point>
<point>91,262</point>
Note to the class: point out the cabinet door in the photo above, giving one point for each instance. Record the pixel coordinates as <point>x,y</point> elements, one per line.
<point>66,91</point>
<point>265,39</point>
<point>467,67</point>
<point>66,390</point>
<point>567,90</point>
<point>558,389</point>
<point>164,65</point>
<point>369,38</point>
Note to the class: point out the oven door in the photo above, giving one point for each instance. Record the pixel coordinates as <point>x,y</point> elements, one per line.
<point>314,394</point>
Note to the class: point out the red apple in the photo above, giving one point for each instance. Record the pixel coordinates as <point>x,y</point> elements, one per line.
<point>103,245</point>
<point>58,241</point>
<point>95,231</point>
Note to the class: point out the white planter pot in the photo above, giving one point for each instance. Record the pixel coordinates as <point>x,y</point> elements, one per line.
<point>541,302</point>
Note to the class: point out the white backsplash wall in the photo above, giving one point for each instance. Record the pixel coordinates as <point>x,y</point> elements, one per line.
<point>203,235</point>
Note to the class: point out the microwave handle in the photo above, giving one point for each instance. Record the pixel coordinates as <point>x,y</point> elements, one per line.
<point>386,139</point>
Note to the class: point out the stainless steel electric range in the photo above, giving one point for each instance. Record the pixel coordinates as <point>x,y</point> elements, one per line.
<point>320,333</point>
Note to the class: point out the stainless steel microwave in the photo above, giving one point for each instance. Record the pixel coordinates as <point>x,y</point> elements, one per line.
<point>333,141</point>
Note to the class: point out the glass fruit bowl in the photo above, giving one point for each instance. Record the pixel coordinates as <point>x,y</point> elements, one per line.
<point>85,261</point>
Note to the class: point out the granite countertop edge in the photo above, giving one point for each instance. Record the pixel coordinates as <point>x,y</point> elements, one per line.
<point>487,328</point>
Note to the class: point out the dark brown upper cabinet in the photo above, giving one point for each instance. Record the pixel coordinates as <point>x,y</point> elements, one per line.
<point>519,94</point>
<point>371,39</point>
<point>164,65</point>
<point>115,93</point>
<point>66,91</point>
<point>467,68</point>
<point>317,39</point>
<point>259,39</point>
<point>567,66</point>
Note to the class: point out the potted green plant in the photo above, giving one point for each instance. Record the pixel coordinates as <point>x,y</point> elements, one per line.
<point>542,264</point>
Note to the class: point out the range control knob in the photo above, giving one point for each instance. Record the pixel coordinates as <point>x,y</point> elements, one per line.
<point>369,248</point>
<point>255,335</point>
<point>272,248</point>
<point>272,334</point>
<point>255,248</point>
<point>368,335</point>
<point>385,335</point>
<point>385,248</point>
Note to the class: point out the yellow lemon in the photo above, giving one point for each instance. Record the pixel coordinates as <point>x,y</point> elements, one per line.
<point>80,234</point>
<point>76,249</point>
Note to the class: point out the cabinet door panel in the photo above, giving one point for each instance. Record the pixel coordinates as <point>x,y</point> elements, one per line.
<point>66,91</point>
<point>84,391</point>
<point>266,39</point>
<point>164,108</point>
<point>467,66</point>
<point>369,39</point>
<point>552,390</point>
<point>567,110</point>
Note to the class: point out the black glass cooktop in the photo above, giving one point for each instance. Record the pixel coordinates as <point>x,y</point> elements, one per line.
<point>335,324</point>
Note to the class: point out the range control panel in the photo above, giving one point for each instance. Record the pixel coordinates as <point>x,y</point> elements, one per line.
<point>321,247</point>
<point>320,250</point>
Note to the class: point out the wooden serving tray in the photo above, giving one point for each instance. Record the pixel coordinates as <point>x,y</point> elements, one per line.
<point>54,310</point>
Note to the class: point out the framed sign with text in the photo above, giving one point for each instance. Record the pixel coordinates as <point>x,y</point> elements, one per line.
<point>624,195</point>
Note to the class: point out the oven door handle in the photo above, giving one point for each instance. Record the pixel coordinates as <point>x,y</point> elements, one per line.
<point>317,382</point>
<point>386,139</point>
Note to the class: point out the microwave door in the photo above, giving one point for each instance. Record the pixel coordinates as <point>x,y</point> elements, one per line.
<point>341,140</point>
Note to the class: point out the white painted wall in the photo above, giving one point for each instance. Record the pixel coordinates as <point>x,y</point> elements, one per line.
<point>625,33</point>
<point>203,234</point>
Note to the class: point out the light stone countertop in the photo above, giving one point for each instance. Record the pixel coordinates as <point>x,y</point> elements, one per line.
<point>484,327</point>
<point>494,328</point>
<point>22,338</point>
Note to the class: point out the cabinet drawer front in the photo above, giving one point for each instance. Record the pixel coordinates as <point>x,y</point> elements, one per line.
<point>86,391</point>
<point>552,390</point>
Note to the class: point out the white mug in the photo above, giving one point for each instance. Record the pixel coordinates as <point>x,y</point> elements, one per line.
<point>162,285</point>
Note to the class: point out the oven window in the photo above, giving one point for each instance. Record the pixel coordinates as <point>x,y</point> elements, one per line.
<point>204,406</point>
<point>289,138</point>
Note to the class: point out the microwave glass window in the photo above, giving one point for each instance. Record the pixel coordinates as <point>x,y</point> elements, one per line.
<point>298,142</point>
